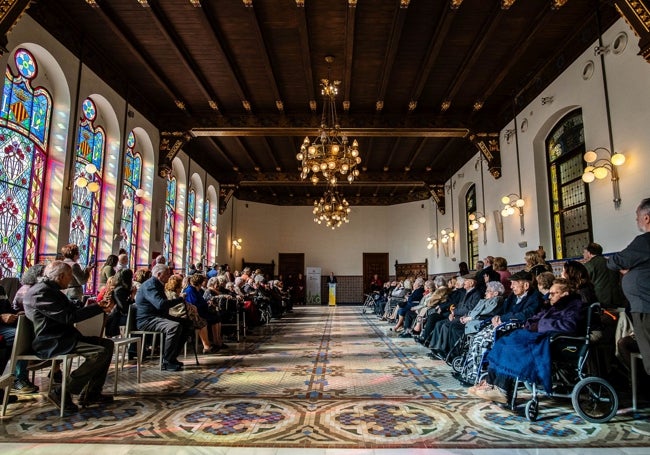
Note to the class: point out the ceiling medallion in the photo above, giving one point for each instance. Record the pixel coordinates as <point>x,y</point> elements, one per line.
<point>330,153</point>
<point>331,209</point>
<point>445,105</point>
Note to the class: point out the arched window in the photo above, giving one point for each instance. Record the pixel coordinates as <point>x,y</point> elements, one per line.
<point>131,205</point>
<point>569,195</point>
<point>24,130</point>
<point>190,228</point>
<point>170,214</point>
<point>87,194</point>
<point>472,234</point>
<point>205,247</point>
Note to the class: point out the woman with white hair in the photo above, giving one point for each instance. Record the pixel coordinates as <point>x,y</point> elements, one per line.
<point>413,300</point>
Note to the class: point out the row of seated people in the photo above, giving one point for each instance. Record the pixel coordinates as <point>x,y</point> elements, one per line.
<point>456,317</point>
<point>156,295</point>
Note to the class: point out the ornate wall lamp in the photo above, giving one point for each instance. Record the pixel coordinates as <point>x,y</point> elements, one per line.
<point>597,168</point>
<point>510,203</point>
<point>236,244</point>
<point>447,237</point>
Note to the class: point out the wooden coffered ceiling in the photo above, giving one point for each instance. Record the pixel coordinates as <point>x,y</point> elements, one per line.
<point>424,84</point>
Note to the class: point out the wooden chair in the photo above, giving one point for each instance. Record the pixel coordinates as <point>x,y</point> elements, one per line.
<point>6,382</point>
<point>132,329</point>
<point>22,350</point>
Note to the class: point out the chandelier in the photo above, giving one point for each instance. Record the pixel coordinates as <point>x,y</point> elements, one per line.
<point>331,209</point>
<point>330,153</point>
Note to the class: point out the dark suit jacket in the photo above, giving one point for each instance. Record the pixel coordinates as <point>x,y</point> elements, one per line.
<point>54,315</point>
<point>151,301</point>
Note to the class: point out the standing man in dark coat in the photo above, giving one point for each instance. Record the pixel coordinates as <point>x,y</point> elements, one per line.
<point>634,264</point>
<point>153,314</point>
<point>53,316</point>
<point>607,282</point>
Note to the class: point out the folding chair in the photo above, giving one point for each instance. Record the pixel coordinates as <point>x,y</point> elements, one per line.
<point>22,350</point>
<point>132,329</point>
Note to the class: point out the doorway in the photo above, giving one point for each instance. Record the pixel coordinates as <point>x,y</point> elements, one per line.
<point>290,264</point>
<point>374,263</point>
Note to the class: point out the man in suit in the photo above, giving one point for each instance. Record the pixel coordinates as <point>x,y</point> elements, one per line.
<point>331,278</point>
<point>53,316</point>
<point>153,314</point>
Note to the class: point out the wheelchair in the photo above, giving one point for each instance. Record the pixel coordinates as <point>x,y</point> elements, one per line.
<point>593,398</point>
<point>370,301</point>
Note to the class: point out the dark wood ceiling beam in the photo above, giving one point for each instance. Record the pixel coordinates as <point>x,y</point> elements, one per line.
<point>182,53</point>
<point>366,179</point>
<point>349,54</point>
<point>443,153</point>
<point>303,32</point>
<point>246,194</point>
<point>209,20</point>
<point>417,152</point>
<point>393,151</point>
<point>391,52</point>
<point>435,45</point>
<point>539,22</point>
<point>219,150</point>
<point>245,152</point>
<point>139,53</point>
<point>351,132</point>
<point>264,54</point>
<point>490,25</point>
<point>269,150</point>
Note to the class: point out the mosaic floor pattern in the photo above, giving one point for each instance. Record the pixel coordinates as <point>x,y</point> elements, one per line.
<point>321,377</point>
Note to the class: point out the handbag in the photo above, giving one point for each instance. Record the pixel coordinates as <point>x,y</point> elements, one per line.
<point>178,311</point>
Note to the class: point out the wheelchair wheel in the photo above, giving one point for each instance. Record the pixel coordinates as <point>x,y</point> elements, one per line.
<point>457,364</point>
<point>532,409</point>
<point>595,400</point>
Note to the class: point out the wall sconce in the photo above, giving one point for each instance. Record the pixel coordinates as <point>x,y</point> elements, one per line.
<point>510,202</point>
<point>597,169</point>
<point>447,237</point>
<point>139,206</point>
<point>476,220</point>
<point>237,244</point>
<point>433,242</point>
<point>84,180</point>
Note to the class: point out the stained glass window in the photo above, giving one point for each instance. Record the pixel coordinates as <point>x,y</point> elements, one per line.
<point>87,193</point>
<point>170,221</point>
<point>569,195</point>
<point>472,235</point>
<point>131,200</point>
<point>205,249</point>
<point>190,228</point>
<point>24,129</point>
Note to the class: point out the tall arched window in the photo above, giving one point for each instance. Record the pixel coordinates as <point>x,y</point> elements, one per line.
<point>569,195</point>
<point>190,228</point>
<point>170,214</point>
<point>205,247</point>
<point>87,194</point>
<point>24,129</point>
<point>472,234</point>
<point>131,205</point>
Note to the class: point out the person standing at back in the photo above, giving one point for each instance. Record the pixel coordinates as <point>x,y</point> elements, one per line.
<point>607,282</point>
<point>634,264</point>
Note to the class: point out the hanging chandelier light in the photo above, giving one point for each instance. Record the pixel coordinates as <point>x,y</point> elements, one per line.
<point>331,209</point>
<point>330,154</point>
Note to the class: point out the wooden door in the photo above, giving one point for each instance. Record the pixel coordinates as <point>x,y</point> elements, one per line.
<point>291,264</point>
<point>374,263</point>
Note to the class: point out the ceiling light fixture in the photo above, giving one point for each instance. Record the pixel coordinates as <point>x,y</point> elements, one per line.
<point>330,153</point>
<point>332,209</point>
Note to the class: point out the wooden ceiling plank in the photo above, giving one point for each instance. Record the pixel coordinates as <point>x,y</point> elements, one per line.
<point>394,150</point>
<point>435,45</point>
<point>484,36</point>
<point>519,48</point>
<point>264,53</point>
<point>209,20</point>
<point>269,150</point>
<point>417,152</point>
<point>391,51</point>
<point>220,151</point>
<point>169,33</point>
<point>131,43</point>
<point>305,52</point>
<point>349,54</point>
<point>246,152</point>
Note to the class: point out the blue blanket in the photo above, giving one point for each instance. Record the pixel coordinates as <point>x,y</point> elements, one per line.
<point>523,354</point>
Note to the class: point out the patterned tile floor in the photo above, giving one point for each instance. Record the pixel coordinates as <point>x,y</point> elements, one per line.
<point>321,378</point>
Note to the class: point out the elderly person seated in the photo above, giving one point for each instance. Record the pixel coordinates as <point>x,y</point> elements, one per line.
<point>404,308</point>
<point>196,296</point>
<point>153,315</point>
<point>523,302</point>
<point>448,332</point>
<point>54,316</point>
<point>525,353</point>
